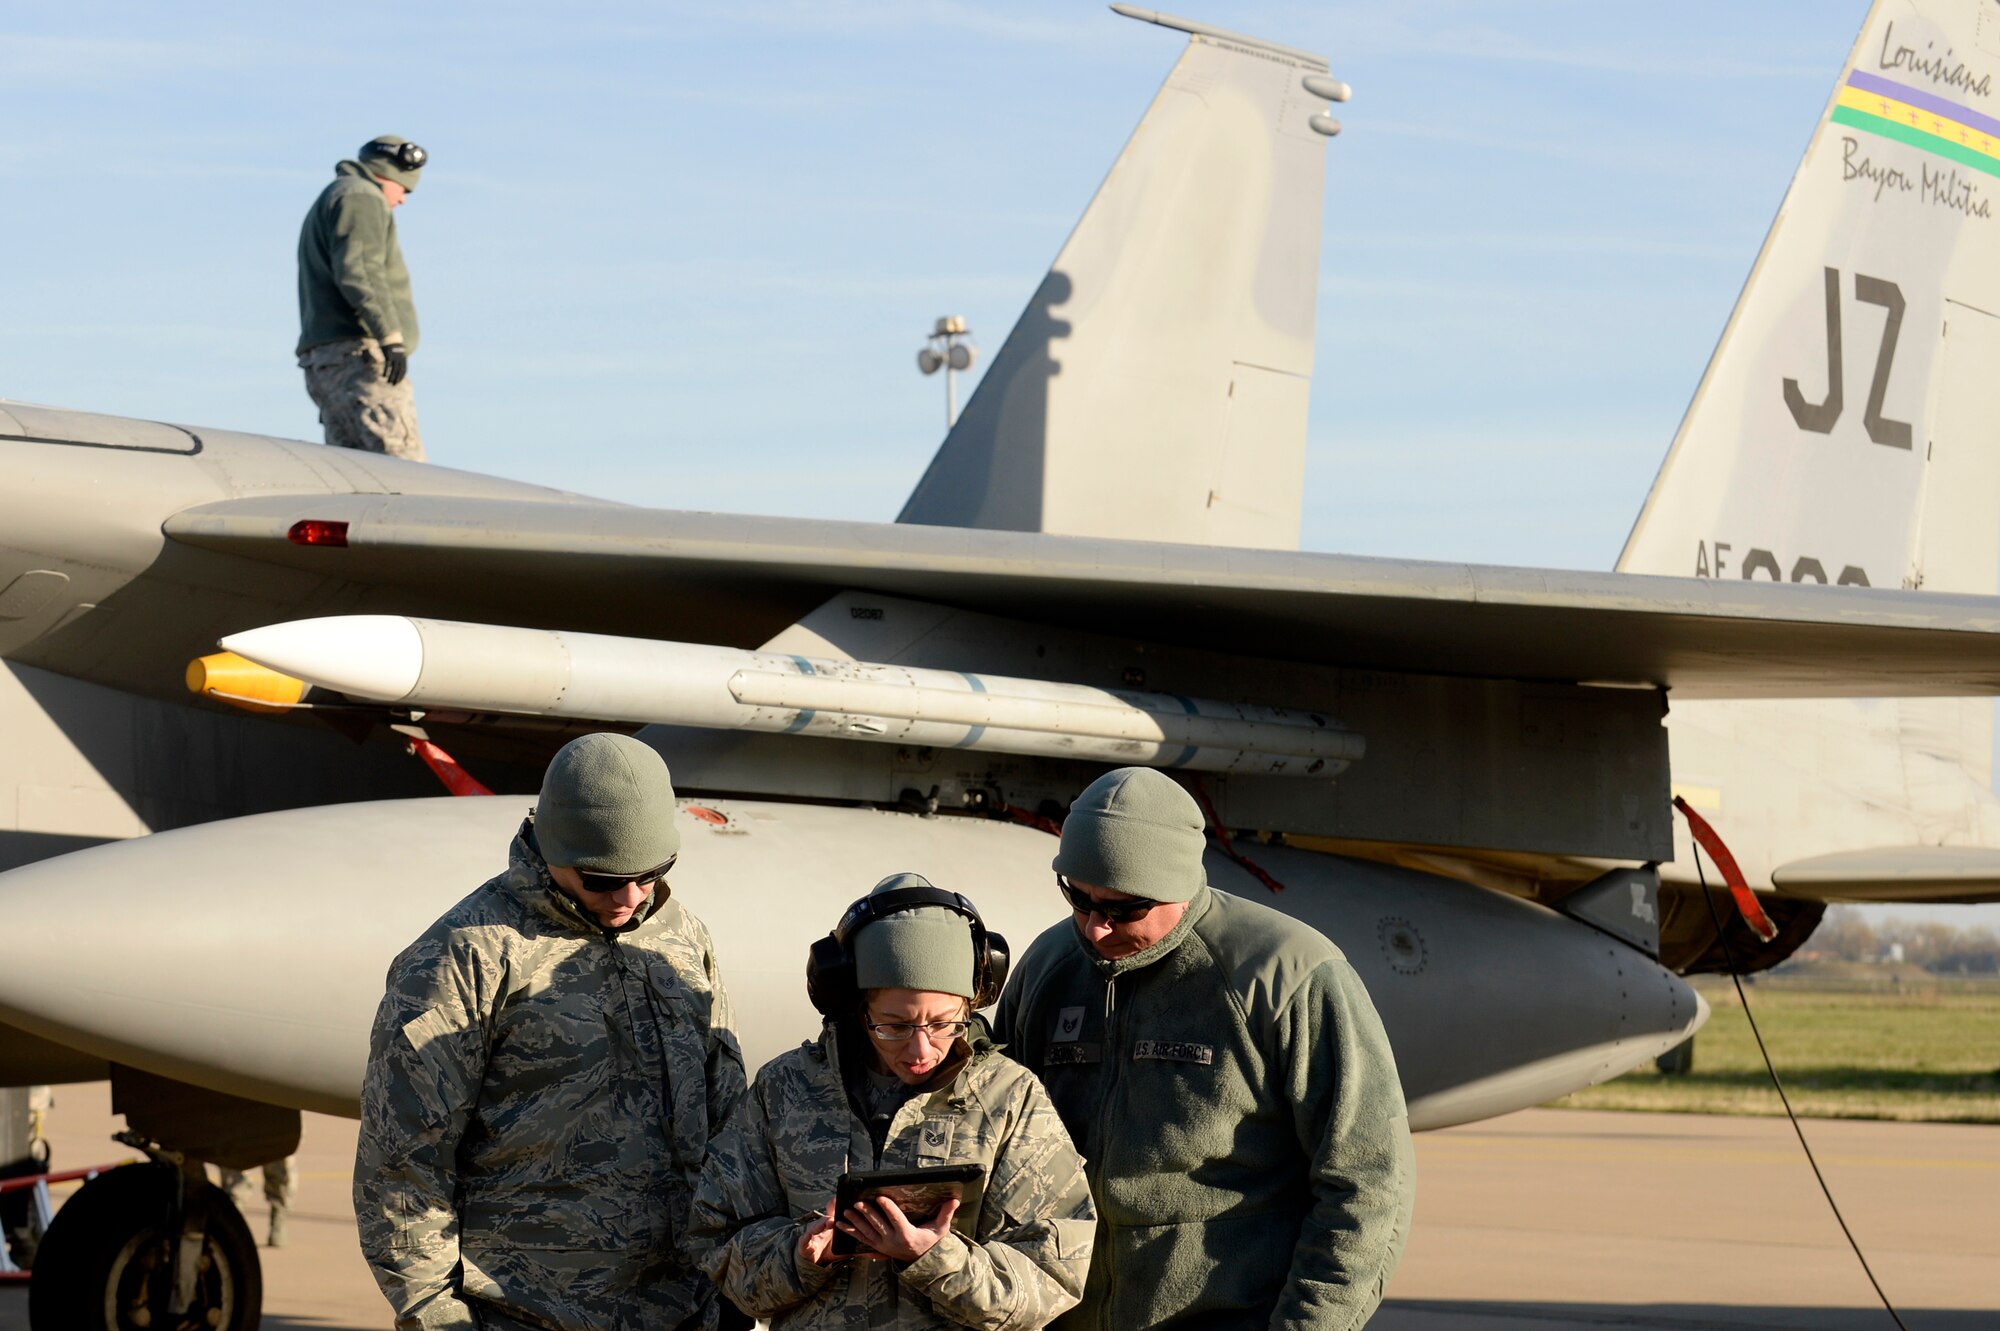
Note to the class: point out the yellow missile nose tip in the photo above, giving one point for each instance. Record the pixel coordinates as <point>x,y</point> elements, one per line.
<point>227,677</point>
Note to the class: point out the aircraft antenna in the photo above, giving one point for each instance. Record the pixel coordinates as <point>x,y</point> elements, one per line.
<point>950,349</point>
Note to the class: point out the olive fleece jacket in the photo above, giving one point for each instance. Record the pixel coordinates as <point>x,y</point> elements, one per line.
<point>352,281</point>
<point>1236,1101</point>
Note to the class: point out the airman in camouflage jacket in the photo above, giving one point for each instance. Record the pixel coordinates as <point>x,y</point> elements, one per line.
<point>539,1096</point>
<point>777,1166</point>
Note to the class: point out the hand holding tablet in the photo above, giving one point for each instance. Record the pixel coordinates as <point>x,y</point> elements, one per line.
<point>897,1214</point>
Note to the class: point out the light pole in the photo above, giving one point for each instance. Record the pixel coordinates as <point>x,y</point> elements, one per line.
<point>950,349</point>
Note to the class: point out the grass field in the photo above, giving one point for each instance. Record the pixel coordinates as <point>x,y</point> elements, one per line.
<point>1929,1054</point>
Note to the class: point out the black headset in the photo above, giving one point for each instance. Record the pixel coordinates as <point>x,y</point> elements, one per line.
<point>406,156</point>
<point>830,975</point>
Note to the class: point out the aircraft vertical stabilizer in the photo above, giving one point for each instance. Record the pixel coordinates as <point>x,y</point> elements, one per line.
<point>1847,431</point>
<point>1155,387</point>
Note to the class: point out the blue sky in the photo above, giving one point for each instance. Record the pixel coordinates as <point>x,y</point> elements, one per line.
<point>684,255</point>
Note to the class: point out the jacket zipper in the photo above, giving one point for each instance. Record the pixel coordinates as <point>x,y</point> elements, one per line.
<point>1110,1066</point>
<point>617,959</point>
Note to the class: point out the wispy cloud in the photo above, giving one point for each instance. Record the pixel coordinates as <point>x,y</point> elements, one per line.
<point>1490,45</point>
<point>780,20</point>
<point>862,18</point>
<point>1458,30</point>
<point>29,58</point>
<point>708,278</point>
<point>1607,149</point>
<point>1636,245</point>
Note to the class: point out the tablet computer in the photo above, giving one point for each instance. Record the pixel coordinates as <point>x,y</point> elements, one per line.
<point>921,1193</point>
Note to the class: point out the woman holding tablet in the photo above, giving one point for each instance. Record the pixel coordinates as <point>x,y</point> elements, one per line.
<point>903,1096</point>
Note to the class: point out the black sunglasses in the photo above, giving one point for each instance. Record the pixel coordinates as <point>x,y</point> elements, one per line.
<point>594,881</point>
<point>1111,912</point>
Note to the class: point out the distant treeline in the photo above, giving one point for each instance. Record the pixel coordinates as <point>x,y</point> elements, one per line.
<point>1942,949</point>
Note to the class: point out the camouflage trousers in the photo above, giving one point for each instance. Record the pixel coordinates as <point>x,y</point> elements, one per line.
<point>278,1189</point>
<point>359,408</point>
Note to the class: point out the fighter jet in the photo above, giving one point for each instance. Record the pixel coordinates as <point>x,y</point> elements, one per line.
<point>1462,775</point>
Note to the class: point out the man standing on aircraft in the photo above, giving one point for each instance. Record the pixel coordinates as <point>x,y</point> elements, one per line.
<point>357,322</point>
<point>545,1073</point>
<point>1223,1073</point>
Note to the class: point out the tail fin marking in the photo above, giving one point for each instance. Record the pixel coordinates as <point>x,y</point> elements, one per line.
<point>1838,430</point>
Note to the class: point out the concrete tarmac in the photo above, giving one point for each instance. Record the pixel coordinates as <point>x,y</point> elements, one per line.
<point>1548,1218</point>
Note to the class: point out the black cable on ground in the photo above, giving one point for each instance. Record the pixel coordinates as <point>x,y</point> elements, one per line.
<point>1770,1067</point>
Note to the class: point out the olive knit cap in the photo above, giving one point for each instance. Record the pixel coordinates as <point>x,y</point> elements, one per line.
<point>1137,832</point>
<point>925,947</point>
<point>607,805</point>
<point>383,156</point>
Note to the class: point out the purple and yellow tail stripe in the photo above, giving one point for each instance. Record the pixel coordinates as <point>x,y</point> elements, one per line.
<point>1923,120</point>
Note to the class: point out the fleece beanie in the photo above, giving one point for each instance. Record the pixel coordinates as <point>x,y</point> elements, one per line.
<point>1137,832</point>
<point>926,947</point>
<point>607,805</point>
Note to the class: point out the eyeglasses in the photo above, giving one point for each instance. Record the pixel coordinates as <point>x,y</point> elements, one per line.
<point>897,1032</point>
<point>1111,912</point>
<point>594,881</point>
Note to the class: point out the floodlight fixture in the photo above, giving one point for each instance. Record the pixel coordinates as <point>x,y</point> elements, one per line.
<point>950,349</point>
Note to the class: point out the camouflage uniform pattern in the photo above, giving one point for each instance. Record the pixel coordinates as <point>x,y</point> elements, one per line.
<point>278,1186</point>
<point>539,1097</point>
<point>359,408</point>
<point>777,1165</point>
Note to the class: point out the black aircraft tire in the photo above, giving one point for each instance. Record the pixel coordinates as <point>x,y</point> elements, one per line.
<point>108,1255</point>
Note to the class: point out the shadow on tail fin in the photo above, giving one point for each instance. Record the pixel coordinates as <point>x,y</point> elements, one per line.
<point>1155,387</point>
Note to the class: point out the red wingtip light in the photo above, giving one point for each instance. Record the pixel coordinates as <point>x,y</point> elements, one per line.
<point>317,531</point>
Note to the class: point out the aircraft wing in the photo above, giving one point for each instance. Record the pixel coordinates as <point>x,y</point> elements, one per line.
<point>737,579</point>
<point>1895,873</point>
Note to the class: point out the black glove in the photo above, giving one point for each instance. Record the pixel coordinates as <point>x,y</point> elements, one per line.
<point>395,362</point>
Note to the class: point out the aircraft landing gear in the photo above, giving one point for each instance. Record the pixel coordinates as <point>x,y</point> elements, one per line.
<point>147,1247</point>
<point>1678,1061</point>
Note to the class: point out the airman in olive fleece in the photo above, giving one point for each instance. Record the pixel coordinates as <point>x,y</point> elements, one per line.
<point>357,319</point>
<point>776,1167</point>
<point>353,282</point>
<point>540,1093</point>
<point>1230,1085</point>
